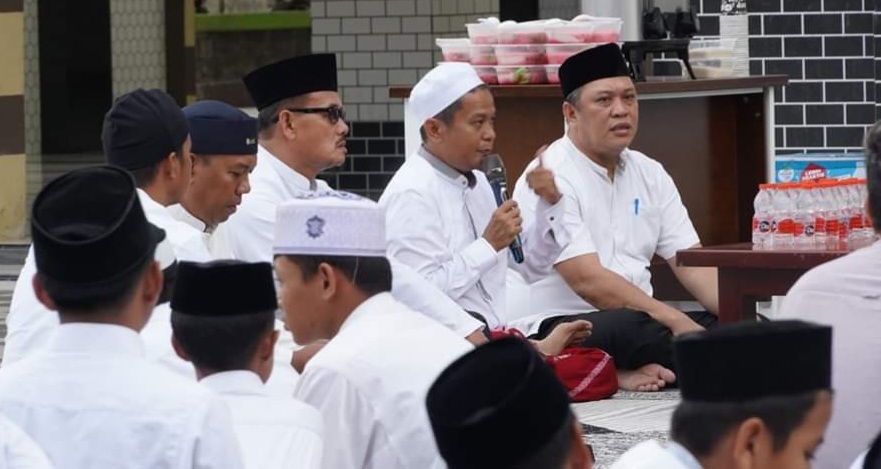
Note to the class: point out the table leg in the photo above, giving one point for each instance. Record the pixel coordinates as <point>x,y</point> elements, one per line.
<point>739,289</point>
<point>734,304</point>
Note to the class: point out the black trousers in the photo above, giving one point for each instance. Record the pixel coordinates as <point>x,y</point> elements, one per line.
<point>632,338</point>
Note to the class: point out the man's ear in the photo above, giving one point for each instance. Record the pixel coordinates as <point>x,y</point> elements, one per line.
<point>569,112</point>
<point>749,442</point>
<point>152,283</point>
<point>329,281</point>
<point>266,346</point>
<point>178,349</point>
<point>434,129</point>
<point>287,125</point>
<point>42,294</point>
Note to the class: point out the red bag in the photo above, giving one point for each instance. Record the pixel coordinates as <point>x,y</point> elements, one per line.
<point>587,373</point>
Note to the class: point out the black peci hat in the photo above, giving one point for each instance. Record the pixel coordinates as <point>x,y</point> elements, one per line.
<point>89,230</point>
<point>751,360</point>
<point>287,78</point>
<point>501,394</point>
<point>223,288</point>
<point>600,62</point>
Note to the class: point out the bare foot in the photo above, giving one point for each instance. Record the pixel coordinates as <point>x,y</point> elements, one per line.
<point>648,378</point>
<point>564,335</point>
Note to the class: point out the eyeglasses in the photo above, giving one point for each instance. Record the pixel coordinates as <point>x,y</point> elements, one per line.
<point>333,113</point>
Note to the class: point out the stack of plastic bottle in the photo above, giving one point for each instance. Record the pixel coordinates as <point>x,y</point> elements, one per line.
<point>816,215</point>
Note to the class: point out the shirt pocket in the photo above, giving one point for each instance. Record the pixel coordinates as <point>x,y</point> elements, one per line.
<point>645,230</point>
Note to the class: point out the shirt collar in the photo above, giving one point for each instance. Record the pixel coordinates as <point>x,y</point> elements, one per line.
<point>380,301</point>
<point>103,339</point>
<point>234,382</point>
<point>590,164</point>
<point>682,455</point>
<point>289,176</point>
<point>451,174</point>
<point>192,220</point>
<point>148,203</point>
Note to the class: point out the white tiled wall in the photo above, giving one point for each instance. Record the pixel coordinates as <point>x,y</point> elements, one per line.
<point>137,41</point>
<point>387,42</point>
<point>32,100</point>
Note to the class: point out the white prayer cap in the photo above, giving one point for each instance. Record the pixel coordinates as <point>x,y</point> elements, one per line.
<point>330,223</point>
<point>440,87</point>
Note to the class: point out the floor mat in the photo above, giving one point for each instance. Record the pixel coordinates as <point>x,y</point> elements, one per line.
<point>612,426</point>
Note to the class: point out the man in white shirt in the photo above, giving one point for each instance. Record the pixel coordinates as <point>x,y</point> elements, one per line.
<point>91,398</point>
<point>443,221</point>
<point>223,314</point>
<point>146,133</point>
<point>754,395</point>
<point>302,131</point>
<point>844,294</point>
<point>371,379</point>
<point>628,210</point>
<point>503,395</point>
<point>224,149</point>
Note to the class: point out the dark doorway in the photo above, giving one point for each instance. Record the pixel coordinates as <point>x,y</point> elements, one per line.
<point>518,10</point>
<point>76,86</point>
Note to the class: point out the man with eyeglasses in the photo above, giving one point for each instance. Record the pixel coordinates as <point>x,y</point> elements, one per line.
<point>302,131</point>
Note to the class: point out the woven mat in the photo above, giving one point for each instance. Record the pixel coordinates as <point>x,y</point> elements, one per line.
<point>612,426</point>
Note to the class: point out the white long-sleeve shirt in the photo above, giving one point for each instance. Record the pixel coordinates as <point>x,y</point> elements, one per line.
<point>435,218</point>
<point>252,227</point>
<point>273,432</point>
<point>90,399</point>
<point>370,381</point>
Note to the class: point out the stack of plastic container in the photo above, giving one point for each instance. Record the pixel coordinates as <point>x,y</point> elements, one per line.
<point>512,53</point>
<point>814,215</point>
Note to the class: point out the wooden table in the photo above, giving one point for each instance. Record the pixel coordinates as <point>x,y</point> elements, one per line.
<point>747,275</point>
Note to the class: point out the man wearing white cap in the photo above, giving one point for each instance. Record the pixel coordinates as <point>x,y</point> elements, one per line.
<point>442,217</point>
<point>371,379</point>
<point>302,131</point>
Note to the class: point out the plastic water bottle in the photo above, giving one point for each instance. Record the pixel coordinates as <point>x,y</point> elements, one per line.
<point>820,215</point>
<point>762,218</point>
<point>803,217</point>
<point>831,209</point>
<point>844,214</point>
<point>782,223</point>
<point>855,213</point>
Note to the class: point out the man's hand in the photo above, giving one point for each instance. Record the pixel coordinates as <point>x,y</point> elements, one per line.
<point>541,180</point>
<point>504,225</point>
<point>677,321</point>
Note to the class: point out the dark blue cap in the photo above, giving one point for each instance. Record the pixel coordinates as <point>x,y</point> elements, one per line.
<point>216,128</point>
<point>142,128</point>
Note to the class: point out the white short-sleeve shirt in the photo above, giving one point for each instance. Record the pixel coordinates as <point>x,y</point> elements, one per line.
<point>624,221</point>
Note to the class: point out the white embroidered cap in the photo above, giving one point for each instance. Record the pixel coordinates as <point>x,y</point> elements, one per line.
<point>440,87</point>
<point>330,223</point>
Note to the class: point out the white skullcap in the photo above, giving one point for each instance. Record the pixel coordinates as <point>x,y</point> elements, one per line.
<point>330,223</point>
<point>440,87</point>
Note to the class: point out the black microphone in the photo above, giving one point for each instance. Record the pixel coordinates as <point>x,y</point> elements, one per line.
<point>495,174</point>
